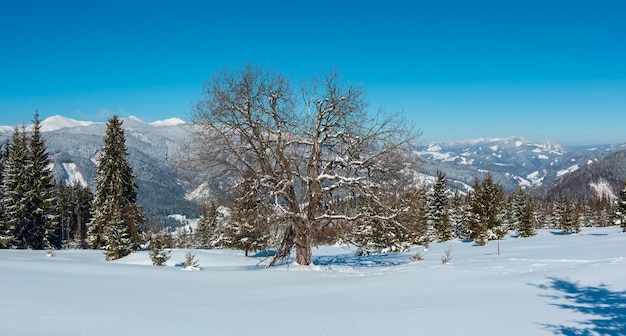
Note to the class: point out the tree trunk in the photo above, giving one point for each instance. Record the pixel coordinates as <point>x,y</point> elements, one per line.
<point>304,254</point>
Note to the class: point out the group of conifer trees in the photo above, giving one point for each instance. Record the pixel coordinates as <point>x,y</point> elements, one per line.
<point>431,214</point>
<point>38,213</point>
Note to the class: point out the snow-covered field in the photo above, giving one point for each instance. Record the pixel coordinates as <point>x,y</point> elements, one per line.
<point>548,284</point>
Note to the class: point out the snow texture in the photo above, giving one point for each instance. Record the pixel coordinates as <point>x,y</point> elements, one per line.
<point>544,285</point>
<point>75,177</point>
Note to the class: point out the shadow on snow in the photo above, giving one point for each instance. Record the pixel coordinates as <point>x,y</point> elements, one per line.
<point>353,260</point>
<point>606,309</point>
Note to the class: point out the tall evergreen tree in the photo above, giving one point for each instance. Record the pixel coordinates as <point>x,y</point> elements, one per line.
<point>116,216</point>
<point>438,217</point>
<point>622,207</point>
<point>13,187</point>
<point>414,218</point>
<point>522,214</point>
<point>4,228</point>
<point>458,214</point>
<point>207,232</point>
<point>44,221</point>
<point>487,201</point>
<point>28,196</point>
<point>567,215</point>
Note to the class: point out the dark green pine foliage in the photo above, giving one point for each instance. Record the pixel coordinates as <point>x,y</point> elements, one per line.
<point>566,214</point>
<point>622,207</point>
<point>248,229</point>
<point>28,193</point>
<point>438,216</point>
<point>207,233</point>
<point>487,201</point>
<point>414,200</point>
<point>158,252</point>
<point>4,235</point>
<point>522,214</point>
<point>116,216</point>
<point>42,194</point>
<point>13,187</point>
<point>74,211</point>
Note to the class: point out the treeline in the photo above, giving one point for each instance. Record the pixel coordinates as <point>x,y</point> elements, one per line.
<point>38,213</point>
<point>430,213</point>
<point>35,211</point>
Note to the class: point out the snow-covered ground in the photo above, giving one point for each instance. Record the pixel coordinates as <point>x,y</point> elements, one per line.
<point>548,284</point>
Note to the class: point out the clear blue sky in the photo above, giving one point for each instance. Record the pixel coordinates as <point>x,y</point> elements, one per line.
<point>544,70</point>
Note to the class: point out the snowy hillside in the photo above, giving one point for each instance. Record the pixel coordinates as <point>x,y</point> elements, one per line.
<point>153,149</point>
<point>545,285</point>
<point>512,161</point>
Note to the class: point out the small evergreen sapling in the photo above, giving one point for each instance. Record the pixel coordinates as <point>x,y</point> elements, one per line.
<point>158,254</point>
<point>190,264</point>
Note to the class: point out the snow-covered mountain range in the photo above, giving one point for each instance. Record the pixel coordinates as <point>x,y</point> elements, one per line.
<point>512,161</point>
<point>154,148</point>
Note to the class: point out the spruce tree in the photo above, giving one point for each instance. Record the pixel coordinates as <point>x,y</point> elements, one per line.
<point>116,216</point>
<point>28,197</point>
<point>622,207</point>
<point>522,214</point>
<point>414,218</point>
<point>438,217</point>
<point>158,252</point>
<point>42,194</point>
<point>248,228</point>
<point>4,234</point>
<point>568,219</point>
<point>487,201</point>
<point>207,232</point>
<point>14,182</point>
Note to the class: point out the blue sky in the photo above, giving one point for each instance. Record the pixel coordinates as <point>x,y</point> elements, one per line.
<point>543,70</point>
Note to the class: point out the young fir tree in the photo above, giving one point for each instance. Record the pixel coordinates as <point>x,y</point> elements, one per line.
<point>621,205</point>
<point>558,209</point>
<point>158,252</point>
<point>247,229</point>
<point>487,201</point>
<point>373,234</point>
<point>438,217</point>
<point>522,214</point>
<point>116,216</point>
<point>207,233</point>
<point>567,215</point>
<point>458,214</point>
<point>414,218</point>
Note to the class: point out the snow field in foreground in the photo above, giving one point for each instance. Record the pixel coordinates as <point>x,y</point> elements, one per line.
<point>548,284</point>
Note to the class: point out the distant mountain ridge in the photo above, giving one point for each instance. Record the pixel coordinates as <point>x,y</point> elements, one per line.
<point>512,161</point>
<point>154,148</point>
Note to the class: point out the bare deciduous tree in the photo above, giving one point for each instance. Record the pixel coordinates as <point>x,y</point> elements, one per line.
<point>301,156</point>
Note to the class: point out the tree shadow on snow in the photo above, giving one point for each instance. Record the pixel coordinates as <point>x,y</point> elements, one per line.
<point>353,260</point>
<point>606,309</point>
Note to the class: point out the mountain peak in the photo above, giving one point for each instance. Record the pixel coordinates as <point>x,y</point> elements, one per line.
<point>57,122</point>
<point>168,122</point>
